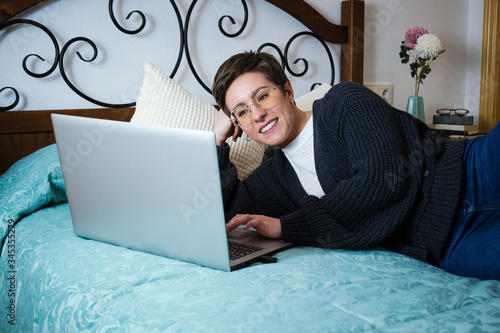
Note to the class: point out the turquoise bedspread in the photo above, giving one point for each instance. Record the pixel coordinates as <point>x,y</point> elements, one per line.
<point>58,282</point>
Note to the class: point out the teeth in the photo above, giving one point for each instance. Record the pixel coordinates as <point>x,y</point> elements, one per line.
<point>269,126</point>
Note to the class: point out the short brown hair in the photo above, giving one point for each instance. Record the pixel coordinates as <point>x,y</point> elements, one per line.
<point>241,63</point>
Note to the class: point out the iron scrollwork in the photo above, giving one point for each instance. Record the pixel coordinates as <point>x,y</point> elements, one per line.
<point>143,24</point>
<point>68,82</point>
<point>25,60</point>
<point>306,65</point>
<point>183,48</point>
<point>283,55</point>
<point>9,107</point>
<point>243,25</point>
<point>130,32</point>
<point>122,29</point>
<point>181,38</point>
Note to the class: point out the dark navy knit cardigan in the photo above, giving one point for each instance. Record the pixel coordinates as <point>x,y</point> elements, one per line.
<point>388,180</point>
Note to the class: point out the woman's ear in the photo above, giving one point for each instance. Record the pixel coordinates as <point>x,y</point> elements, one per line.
<point>289,92</point>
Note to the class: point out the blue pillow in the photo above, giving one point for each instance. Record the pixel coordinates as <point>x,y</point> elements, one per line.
<point>31,183</point>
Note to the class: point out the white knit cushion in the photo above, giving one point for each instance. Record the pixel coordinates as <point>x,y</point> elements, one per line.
<point>163,102</point>
<point>305,103</point>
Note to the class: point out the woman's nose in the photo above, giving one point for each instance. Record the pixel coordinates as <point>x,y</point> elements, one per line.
<point>258,114</point>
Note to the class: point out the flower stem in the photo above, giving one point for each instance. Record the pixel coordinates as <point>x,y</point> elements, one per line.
<point>417,75</point>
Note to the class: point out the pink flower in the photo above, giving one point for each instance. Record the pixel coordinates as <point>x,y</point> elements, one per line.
<point>412,35</point>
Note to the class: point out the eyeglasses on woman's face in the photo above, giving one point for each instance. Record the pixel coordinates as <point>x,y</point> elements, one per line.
<point>264,99</point>
<point>447,112</point>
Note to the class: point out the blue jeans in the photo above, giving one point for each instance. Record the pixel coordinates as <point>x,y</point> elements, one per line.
<point>474,241</point>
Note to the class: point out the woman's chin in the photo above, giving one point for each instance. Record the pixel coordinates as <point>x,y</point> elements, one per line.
<point>271,140</point>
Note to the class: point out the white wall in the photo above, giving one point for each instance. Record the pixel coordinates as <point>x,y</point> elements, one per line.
<point>116,75</point>
<point>473,65</point>
<point>454,79</point>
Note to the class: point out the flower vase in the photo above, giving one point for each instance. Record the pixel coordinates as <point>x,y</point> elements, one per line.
<point>415,107</point>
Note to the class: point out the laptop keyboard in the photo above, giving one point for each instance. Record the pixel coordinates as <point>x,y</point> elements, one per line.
<point>238,250</point>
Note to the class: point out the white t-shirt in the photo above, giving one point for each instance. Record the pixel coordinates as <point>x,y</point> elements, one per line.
<point>300,153</point>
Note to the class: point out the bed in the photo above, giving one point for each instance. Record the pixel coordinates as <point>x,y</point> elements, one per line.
<point>54,281</point>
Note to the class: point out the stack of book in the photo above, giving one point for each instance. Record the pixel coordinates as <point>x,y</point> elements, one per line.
<point>455,129</point>
<point>453,120</point>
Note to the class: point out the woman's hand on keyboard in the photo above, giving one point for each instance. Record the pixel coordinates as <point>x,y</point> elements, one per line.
<point>264,225</point>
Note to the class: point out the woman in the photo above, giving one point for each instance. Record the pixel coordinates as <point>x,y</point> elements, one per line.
<point>355,173</point>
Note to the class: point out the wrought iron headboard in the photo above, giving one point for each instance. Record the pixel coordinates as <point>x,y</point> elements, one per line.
<point>321,30</point>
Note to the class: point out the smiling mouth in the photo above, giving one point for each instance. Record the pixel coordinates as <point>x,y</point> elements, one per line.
<point>269,126</point>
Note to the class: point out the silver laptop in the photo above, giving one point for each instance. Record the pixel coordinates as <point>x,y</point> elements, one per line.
<point>153,189</point>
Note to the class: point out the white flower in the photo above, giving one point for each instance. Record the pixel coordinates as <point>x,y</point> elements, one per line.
<point>428,46</point>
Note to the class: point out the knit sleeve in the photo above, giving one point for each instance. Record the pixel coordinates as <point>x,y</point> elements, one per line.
<point>266,191</point>
<point>228,173</point>
<point>376,170</point>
